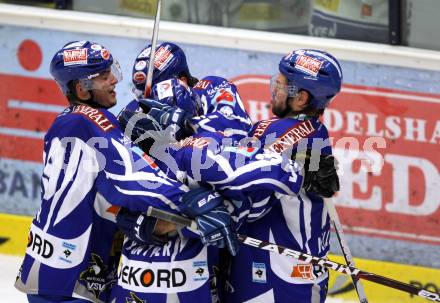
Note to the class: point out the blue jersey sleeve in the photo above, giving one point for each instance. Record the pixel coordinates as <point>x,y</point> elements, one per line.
<point>125,176</point>
<point>227,168</point>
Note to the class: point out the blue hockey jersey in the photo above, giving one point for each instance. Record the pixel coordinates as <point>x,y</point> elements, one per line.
<point>297,221</point>
<point>213,158</point>
<point>89,167</point>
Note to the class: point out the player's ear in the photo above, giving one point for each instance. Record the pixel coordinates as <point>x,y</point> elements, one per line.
<point>302,99</point>
<point>80,92</point>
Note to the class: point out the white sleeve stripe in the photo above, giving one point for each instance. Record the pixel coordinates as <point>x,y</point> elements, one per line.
<point>248,168</point>
<point>274,182</point>
<point>261,203</point>
<point>138,176</point>
<point>147,193</point>
<point>222,162</point>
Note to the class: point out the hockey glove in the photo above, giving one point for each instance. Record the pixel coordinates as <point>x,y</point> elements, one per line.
<point>139,227</point>
<point>168,116</point>
<point>199,201</point>
<point>325,181</point>
<point>216,228</point>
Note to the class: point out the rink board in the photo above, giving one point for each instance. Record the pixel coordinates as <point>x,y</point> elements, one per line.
<point>15,229</point>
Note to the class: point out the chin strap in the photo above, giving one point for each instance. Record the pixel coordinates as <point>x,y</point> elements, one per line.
<point>91,101</point>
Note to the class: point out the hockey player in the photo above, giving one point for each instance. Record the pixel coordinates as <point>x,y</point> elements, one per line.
<point>307,82</point>
<point>89,166</point>
<point>214,90</point>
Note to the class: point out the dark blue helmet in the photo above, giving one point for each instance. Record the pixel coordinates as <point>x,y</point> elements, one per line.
<point>317,72</point>
<point>169,62</point>
<point>80,60</point>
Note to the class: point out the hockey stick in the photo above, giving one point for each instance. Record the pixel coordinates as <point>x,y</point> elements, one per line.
<point>281,250</point>
<point>334,218</point>
<point>149,80</point>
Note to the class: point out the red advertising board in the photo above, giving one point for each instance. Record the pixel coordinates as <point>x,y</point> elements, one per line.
<point>387,142</point>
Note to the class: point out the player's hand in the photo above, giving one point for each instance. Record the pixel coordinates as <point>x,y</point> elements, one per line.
<point>199,201</point>
<point>325,181</point>
<point>164,116</point>
<point>139,227</point>
<point>217,229</point>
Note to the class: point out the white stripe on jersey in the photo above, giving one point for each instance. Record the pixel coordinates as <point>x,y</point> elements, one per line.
<point>148,194</point>
<point>307,214</point>
<point>82,162</point>
<point>274,182</point>
<point>131,175</point>
<point>291,210</point>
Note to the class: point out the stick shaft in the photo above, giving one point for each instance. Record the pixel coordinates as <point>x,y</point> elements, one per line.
<point>149,80</point>
<point>281,250</point>
<point>334,218</point>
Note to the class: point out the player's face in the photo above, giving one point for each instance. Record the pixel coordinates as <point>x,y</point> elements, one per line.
<point>104,89</point>
<point>279,94</point>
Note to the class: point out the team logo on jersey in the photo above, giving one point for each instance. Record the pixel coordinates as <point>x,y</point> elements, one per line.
<point>259,272</point>
<point>224,96</point>
<point>95,276</point>
<point>75,56</point>
<point>134,299</point>
<point>200,270</point>
<point>308,65</point>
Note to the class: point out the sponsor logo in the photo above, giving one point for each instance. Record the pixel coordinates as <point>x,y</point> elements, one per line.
<point>200,270</point>
<point>202,84</point>
<point>95,276</point>
<point>139,77</point>
<point>194,142</point>
<point>307,271</point>
<point>152,277</point>
<point>164,89</point>
<point>94,115</point>
<point>308,65</point>
<point>76,44</point>
<point>292,136</point>
<point>262,126</point>
<point>259,272</point>
<point>39,245</point>
<point>96,47</point>
<point>75,56</point>
<point>140,65</point>
<point>162,57</point>
<point>145,53</point>
<point>105,54</point>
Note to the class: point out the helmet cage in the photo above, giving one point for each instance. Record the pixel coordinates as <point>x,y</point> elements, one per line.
<point>90,83</point>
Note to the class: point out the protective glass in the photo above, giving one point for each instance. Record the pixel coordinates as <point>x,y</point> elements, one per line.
<point>100,81</point>
<point>276,87</point>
